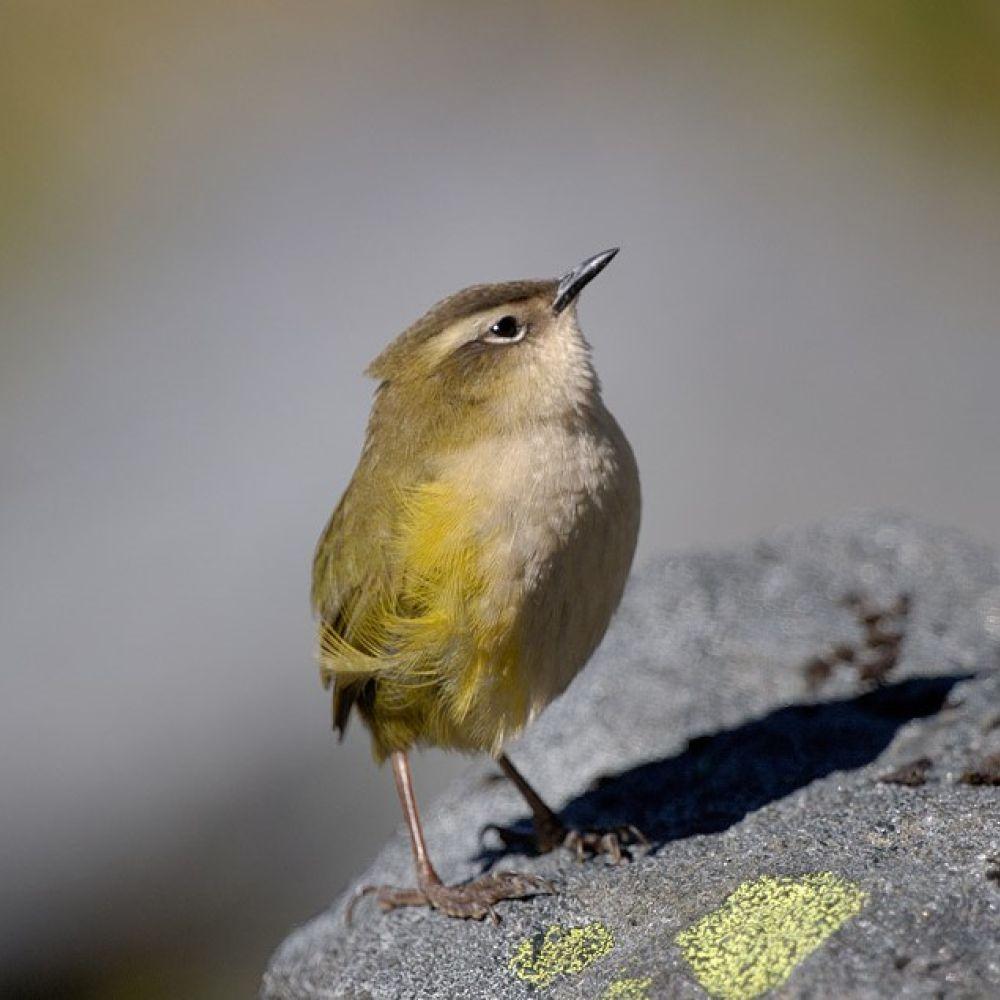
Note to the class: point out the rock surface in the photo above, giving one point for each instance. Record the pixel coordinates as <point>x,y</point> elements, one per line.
<point>779,860</point>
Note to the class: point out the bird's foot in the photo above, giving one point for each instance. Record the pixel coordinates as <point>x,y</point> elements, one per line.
<point>469,901</point>
<point>616,843</point>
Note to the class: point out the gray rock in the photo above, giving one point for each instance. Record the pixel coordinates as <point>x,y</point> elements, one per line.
<point>694,722</point>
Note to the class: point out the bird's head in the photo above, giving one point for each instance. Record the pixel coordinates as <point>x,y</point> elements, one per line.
<point>495,355</point>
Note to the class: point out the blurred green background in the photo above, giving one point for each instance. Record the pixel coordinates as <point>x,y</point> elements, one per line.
<point>212,216</point>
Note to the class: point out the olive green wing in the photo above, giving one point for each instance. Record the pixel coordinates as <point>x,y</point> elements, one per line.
<point>355,573</point>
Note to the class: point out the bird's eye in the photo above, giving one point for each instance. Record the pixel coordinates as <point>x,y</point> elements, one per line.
<point>506,329</point>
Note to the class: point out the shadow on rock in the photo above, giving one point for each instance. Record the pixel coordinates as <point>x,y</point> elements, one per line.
<point>723,776</point>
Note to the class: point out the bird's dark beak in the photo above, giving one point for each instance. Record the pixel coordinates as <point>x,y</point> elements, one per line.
<point>572,283</point>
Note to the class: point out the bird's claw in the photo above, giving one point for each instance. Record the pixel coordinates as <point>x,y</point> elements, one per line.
<point>473,900</point>
<point>614,843</point>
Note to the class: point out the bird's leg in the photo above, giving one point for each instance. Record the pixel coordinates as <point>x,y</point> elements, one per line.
<point>426,875</point>
<point>471,900</point>
<point>550,831</point>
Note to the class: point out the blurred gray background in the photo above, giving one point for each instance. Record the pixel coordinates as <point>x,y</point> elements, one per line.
<point>213,215</point>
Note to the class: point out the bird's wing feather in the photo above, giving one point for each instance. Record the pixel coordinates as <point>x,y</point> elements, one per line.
<point>396,581</point>
<point>354,572</point>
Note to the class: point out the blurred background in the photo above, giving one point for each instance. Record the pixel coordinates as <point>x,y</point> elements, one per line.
<point>213,215</point>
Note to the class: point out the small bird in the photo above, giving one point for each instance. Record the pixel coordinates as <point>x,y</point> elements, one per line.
<point>476,558</point>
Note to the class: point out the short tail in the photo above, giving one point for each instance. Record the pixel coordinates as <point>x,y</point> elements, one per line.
<point>347,693</point>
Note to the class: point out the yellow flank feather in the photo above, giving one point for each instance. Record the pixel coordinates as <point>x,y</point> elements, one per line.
<point>441,652</point>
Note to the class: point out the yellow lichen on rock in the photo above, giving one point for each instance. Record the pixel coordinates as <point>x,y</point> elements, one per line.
<point>754,940</point>
<point>561,951</point>
<point>628,989</point>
